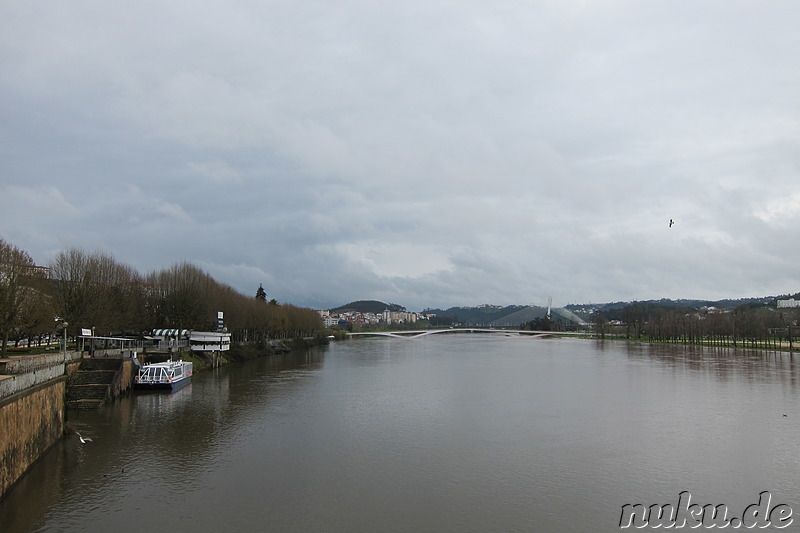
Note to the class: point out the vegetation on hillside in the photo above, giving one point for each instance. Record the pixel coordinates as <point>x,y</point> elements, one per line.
<point>612,310</point>
<point>476,316</point>
<point>367,306</point>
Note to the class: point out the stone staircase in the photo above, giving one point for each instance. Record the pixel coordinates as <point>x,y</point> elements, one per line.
<point>90,386</point>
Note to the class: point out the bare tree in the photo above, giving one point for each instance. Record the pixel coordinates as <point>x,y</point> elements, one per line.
<point>181,297</point>
<point>95,291</point>
<point>21,284</point>
<point>600,325</point>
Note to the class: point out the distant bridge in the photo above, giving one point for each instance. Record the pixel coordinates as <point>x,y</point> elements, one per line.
<point>424,332</point>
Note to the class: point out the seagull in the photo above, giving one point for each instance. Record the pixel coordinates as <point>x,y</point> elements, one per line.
<point>83,440</point>
<point>671,222</point>
<point>784,414</point>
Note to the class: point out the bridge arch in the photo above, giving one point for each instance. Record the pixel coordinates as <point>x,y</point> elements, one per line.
<point>422,333</point>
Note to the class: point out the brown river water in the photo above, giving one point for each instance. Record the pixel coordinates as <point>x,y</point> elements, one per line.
<point>461,432</point>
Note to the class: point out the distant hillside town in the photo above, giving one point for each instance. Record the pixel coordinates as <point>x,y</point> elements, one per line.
<point>372,313</point>
<point>375,313</point>
<point>335,318</point>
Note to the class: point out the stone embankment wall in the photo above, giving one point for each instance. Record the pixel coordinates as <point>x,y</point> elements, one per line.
<point>123,380</point>
<point>31,421</point>
<point>32,391</point>
<point>20,373</point>
<point>98,381</point>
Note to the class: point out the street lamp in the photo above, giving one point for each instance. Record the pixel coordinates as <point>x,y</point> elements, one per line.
<point>65,341</point>
<point>64,325</point>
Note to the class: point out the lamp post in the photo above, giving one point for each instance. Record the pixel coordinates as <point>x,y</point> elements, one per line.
<point>64,324</point>
<point>65,341</point>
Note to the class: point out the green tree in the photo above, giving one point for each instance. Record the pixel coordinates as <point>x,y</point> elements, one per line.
<point>540,323</point>
<point>261,294</point>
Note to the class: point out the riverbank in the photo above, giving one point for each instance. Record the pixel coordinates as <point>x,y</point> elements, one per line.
<point>247,351</point>
<point>770,345</point>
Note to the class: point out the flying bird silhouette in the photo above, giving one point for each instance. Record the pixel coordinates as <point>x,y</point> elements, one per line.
<point>83,440</point>
<point>671,222</point>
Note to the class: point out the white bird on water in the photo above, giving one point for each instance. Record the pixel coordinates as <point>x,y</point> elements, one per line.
<point>83,440</point>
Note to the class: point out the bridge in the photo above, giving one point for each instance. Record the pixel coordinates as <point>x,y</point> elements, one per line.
<point>425,332</point>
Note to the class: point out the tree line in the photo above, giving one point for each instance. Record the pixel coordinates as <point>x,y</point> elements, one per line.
<point>750,325</point>
<point>92,290</point>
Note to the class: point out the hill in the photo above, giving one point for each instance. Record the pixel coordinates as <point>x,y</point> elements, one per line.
<point>502,316</point>
<point>514,315</point>
<point>481,315</point>
<point>368,306</point>
<point>523,316</point>
<point>615,310</point>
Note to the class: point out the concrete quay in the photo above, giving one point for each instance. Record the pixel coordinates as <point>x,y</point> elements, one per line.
<point>32,410</point>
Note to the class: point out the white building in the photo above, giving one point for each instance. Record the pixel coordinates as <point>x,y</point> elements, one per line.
<point>399,317</point>
<point>210,341</point>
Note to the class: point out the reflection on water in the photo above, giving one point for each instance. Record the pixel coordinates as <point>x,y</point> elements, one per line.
<point>464,432</point>
<point>145,443</point>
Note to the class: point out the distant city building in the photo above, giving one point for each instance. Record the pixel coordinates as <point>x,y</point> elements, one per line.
<point>387,317</point>
<point>399,317</point>
<point>791,302</point>
<point>327,319</point>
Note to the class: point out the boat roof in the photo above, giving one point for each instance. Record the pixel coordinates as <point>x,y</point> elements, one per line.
<point>167,363</point>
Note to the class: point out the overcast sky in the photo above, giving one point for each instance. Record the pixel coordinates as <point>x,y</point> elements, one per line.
<point>427,153</point>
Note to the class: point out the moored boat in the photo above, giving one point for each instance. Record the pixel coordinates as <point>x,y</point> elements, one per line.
<point>167,375</point>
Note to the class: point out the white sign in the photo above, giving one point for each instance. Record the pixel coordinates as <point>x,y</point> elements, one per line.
<point>86,332</point>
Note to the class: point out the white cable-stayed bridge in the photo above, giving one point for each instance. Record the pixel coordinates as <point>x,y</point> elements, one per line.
<point>422,333</point>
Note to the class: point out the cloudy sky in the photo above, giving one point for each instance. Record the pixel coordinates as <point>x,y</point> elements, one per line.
<point>427,152</point>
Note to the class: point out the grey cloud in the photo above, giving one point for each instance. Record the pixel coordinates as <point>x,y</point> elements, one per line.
<point>425,153</point>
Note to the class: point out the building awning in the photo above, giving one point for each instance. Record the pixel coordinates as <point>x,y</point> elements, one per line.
<point>120,339</point>
<point>170,332</point>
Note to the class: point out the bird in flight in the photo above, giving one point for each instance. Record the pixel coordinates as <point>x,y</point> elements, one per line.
<point>671,222</point>
<point>83,440</point>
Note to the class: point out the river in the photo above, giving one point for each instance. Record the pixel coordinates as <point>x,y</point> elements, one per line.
<point>460,432</point>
